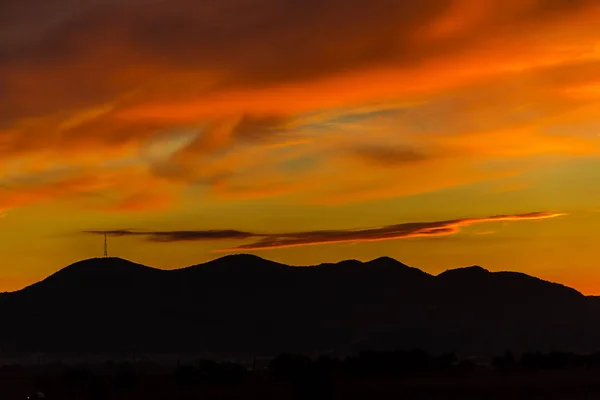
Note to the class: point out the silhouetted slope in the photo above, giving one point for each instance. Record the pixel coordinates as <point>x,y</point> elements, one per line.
<point>97,274</point>
<point>594,300</point>
<point>243,304</point>
<point>485,309</point>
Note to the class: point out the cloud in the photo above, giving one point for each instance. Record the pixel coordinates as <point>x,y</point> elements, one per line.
<point>177,236</point>
<point>484,232</point>
<point>267,241</point>
<point>390,232</point>
<point>112,189</point>
<point>217,136</point>
<point>86,85</point>
<point>182,50</point>
<point>388,156</point>
<point>140,201</point>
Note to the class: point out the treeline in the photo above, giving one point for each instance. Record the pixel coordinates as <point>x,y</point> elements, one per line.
<point>546,361</point>
<point>365,364</point>
<point>402,363</point>
<point>305,374</point>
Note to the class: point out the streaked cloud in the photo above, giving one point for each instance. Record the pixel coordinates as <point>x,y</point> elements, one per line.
<point>282,240</point>
<point>388,156</point>
<point>98,82</point>
<point>120,188</point>
<point>178,236</point>
<point>391,232</point>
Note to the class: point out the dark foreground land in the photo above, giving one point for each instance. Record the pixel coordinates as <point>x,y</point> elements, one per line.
<point>239,306</point>
<point>369,376</point>
<point>543,385</point>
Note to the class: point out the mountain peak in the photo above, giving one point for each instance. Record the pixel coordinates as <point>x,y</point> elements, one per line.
<point>95,271</point>
<point>386,261</point>
<point>241,257</point>
<point>471,271</point>
<point>240,263</point>
<point>104,264</point>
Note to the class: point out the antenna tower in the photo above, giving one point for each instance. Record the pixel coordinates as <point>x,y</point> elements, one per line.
<point>105,245</point>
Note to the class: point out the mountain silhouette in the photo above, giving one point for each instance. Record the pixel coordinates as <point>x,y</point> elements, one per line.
<point>243,305</point>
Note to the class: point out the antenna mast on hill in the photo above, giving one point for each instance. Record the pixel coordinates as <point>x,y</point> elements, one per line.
<point>105,245</point>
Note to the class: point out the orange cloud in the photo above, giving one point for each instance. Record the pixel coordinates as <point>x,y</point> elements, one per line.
<point>120,189</point>
<point>391,232</point>
<point>294,239</point>
<point>86,86</point>
<point>163,64</point>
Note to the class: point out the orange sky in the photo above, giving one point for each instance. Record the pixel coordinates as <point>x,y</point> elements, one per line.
<point>442,133</point>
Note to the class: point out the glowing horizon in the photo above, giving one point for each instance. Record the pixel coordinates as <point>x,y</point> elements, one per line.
<point>303,132</point>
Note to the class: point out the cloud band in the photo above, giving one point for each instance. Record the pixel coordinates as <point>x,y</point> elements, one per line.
<point>265,241</point>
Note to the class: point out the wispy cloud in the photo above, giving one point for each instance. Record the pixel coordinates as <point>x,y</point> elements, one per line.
<point>390,232</point>
<point>69,95</point>
<point>282,240</point>
<point>386,156</point>
<point>483,233</point>
<point>178,236</point>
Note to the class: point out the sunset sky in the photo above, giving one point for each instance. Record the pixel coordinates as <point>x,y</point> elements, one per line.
<point>443,133</point>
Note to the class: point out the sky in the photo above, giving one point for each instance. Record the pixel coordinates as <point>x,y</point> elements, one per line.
<point>442,133</point>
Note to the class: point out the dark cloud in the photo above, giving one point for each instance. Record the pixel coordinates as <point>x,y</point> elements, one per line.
<point>178,236</point>
<point>239,68</point>
<point>218,136</point>
<point>260,128</point>
<point>388,156</point>
<point>250,42</point>
<point>391,232</point>
<point>88,52</point>
<point>293,239</point>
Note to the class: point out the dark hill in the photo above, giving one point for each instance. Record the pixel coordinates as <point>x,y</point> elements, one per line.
<point>244,305</point>
<point>96,274</point>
